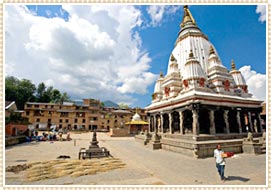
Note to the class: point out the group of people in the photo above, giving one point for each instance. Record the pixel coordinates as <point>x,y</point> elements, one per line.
<point>49,136</point>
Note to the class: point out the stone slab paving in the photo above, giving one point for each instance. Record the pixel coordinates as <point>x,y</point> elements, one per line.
<point>144,166</point>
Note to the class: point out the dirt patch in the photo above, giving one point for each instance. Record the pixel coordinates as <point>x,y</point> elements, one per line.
<point>38,171</point>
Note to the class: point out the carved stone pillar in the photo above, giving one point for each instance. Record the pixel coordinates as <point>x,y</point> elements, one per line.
<point>250,122</point>
<point>181,121</point>
<point>154,124</point>
<point>212,122</point>
<point>158,124</point>
<point>226,121</point>
<point>255,126</point>
<point>239,121</point>
<point>259,117</point>
<point>170,123</point>
<point>195,122</point>
<point>162,123</point>
<point>149,125</point>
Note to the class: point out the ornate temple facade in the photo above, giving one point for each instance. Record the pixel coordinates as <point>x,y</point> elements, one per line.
<point>199,96</point>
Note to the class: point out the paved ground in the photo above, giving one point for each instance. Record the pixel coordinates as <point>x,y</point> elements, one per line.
<point>143,166</point>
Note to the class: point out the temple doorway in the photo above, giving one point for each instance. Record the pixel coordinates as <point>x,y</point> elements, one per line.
<point>175,122</point>
<point>204,121</point>
<point>219,121</point>
<point>187,121</point>
<point>232,119</point>
<point>165,123</point>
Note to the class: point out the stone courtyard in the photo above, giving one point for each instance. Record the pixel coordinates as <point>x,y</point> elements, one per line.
<point>140,165</point>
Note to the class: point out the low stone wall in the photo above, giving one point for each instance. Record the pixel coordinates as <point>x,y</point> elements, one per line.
<point>178,145</point>
<point>206,149</point>
<point>119,132</point>
<point>254,147</point>
<point>14,140</point>
<point>200,149</point>
<point>210,137</point>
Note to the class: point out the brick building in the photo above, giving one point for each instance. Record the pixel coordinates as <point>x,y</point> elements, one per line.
<point>90,115</point>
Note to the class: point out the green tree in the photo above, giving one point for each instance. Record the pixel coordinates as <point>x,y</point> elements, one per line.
<point>20,91</point>
<point>55,96</point>
<point>45,94</point>
<point>64,98</point>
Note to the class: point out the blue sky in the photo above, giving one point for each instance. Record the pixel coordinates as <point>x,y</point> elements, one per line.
<point>116,52</point>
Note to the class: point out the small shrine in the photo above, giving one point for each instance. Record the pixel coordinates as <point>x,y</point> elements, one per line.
<point>137,125</point>
<point>94,150</point>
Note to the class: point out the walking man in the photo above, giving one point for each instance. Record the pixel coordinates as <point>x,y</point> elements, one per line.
<point>220,161</point>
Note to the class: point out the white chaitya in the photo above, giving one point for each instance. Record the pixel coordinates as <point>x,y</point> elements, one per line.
<point>199,99</point>
<point>202,72</point>
<point>136,117</point>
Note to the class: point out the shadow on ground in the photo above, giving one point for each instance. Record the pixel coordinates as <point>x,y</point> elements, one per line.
<point>235,178</point>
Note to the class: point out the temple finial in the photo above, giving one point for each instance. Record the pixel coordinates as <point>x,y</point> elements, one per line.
<point>211,51</point>
<point>161,74</point>
<point>233,65</point>
<point>172,58</point>
<point>187,17</point>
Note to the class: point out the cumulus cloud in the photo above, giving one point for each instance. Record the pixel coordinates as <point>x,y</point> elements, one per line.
<point>261,9</point>
<point>158,12</point>
<point>96,53</point>
<point>256,82</point>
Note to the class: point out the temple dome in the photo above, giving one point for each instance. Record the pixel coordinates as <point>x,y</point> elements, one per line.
<point>157,87</point>
<point>193,69</point>
<point>173,67</point>
<point>189,38</point>
<point>136,117</point>
<point>214,62</point>
<point>237,75</point>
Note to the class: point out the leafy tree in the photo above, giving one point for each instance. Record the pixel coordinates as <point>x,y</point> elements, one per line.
<point>64,98</point>
<point>55,96</point>
<point>41,96</point>
<point>22,91</point>
<point>19,91</point>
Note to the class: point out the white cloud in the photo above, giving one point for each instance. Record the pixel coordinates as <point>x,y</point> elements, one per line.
<point>256,82</point>
<point>261,9</point>
<point>97,53</point>
<point>158,12</point>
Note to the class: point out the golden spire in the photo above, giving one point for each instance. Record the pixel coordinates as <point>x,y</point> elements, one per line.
<point>233,65</point>
<point>172,58</point>
<point>211,51</point>
<point>191,55</point>
<point>187,17</point>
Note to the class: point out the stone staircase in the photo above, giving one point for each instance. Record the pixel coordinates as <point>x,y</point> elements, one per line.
<point>263,148</point>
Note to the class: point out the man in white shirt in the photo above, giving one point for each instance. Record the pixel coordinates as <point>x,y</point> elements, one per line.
<point>220,161</point>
